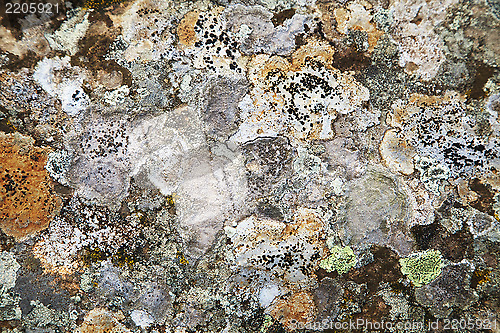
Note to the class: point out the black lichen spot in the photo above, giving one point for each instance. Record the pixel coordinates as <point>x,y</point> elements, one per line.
<point>279,18</point>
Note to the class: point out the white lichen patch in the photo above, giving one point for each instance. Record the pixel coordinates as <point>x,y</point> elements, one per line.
<point>116,96</point>
<point>66,38</point>
<point>255,32</point>
<point>59,249</point>
<point>421,55</point>
<point>442,129</point>
<point>300,99</point>
<point>8,270</point>
<point>141,318</point>
<point>210,45</point>
<point>169,153</point>
<point>397,155</point>
<point>63,81</point>
<point>146,30</point>
<point>288,251</point>
<point>421,49</point>
<point>58,164</point>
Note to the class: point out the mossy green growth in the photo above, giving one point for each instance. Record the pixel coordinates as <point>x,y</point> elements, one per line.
<point>268,322</point>
<point>422,267</point>
<point>341,259</point>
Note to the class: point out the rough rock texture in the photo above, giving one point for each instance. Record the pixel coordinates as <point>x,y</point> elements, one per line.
<point>250,166</point>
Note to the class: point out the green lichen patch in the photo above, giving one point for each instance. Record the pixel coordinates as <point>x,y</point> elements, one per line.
<point>422,267</point>
<point>341,259</point>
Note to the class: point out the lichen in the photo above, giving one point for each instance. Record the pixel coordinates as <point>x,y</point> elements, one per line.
<point>9,303</point>
<point>422,267</point>
<point>341,259</point>
<point>27,198</point>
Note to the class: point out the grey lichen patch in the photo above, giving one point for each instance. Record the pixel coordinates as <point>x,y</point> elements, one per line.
<point>449,291</point>
<point>8,274</point>
<point>43,316</point>
<point>432,174</point>
<point>68,35</point>
<point>58,164</point>
<point>9,268</point>
<point>376,211</point>
<point>221,113</point>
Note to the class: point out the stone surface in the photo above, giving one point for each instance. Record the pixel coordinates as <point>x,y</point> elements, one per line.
<point>249,166</point>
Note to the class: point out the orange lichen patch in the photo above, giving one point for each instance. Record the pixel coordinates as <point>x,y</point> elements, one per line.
<point>314,49</point>
<point>396,153</point>
<point>404,111</point>
<point>261,65</point>
<point>357,17</point>
<point>102,321</point>
<point>297,310</point>
<point>306,223</point>
<point>185,29</point>
<point>27,198</point>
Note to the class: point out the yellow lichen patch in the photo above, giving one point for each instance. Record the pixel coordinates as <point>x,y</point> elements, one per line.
<point>27,198</point>
<point>396,153</point>
<point>185,29</point>
<point>182,259</point>
<point>100,4</point>
<point>298,309</point>
<point>101,321</point>
<point>480,276</point>
<point>357,17</point>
